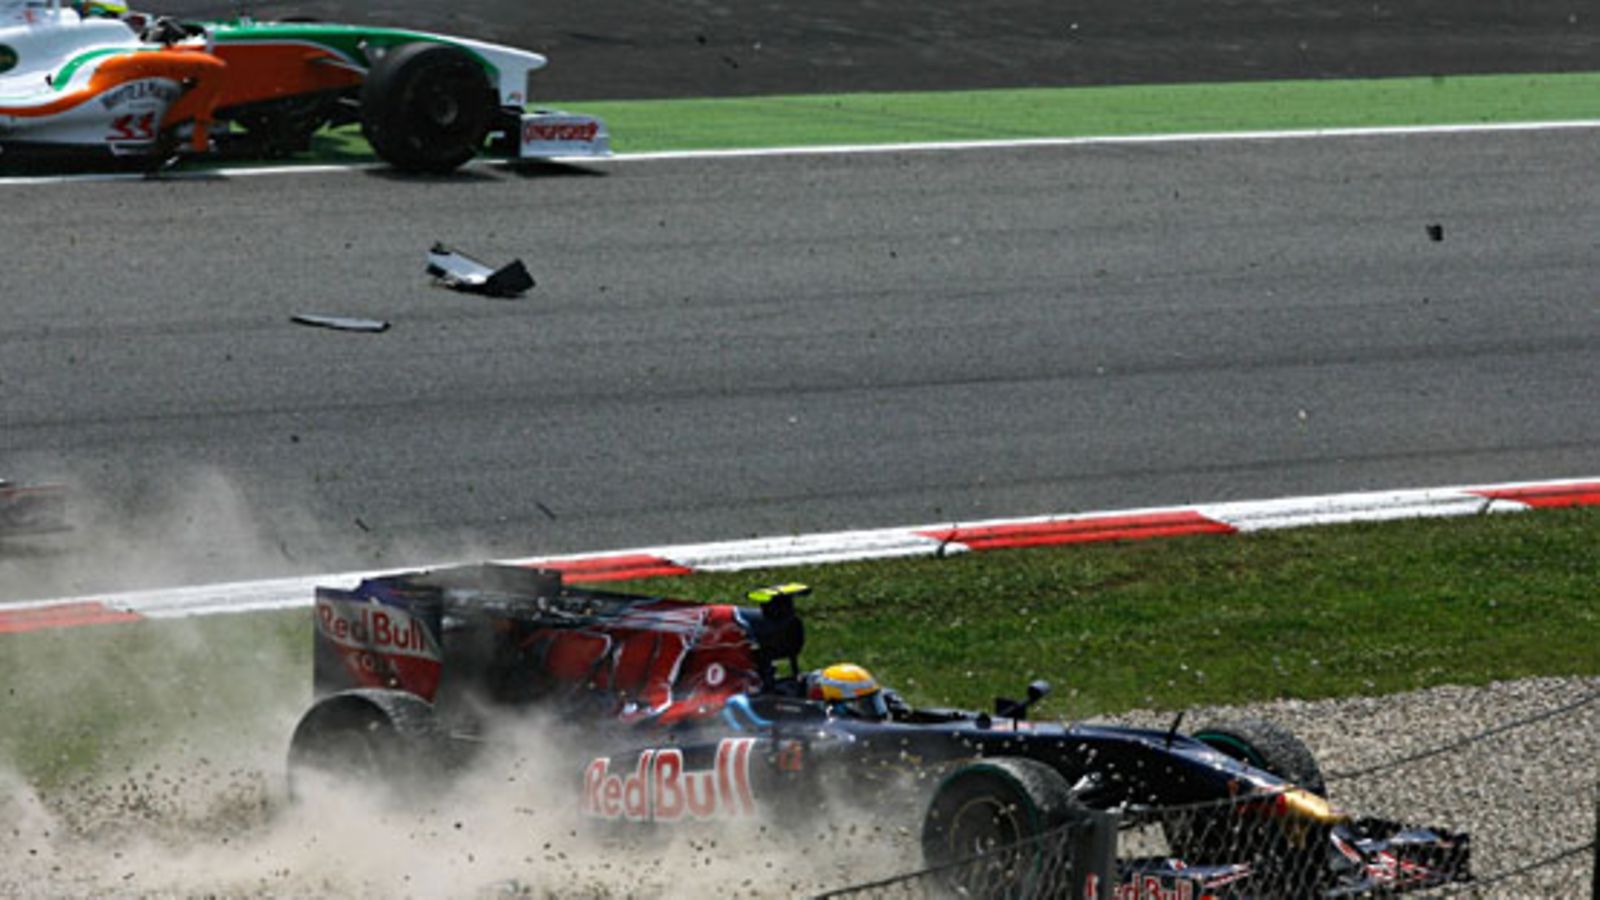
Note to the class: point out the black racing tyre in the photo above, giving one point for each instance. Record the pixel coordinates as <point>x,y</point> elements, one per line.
<point>426,107</point>
<point>370,740</point>
<point>1269,746</point>
<point>982,812</point>
<point>1293,861</point>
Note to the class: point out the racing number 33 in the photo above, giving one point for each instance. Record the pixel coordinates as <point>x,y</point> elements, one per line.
<point>133,127</point>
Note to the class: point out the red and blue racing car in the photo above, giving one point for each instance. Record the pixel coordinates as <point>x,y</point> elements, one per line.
<point>684,712</point>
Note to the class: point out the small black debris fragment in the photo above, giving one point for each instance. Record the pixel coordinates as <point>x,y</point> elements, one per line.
<point>460,272</point>
<point>341,323</point>
<point>1436,233</point>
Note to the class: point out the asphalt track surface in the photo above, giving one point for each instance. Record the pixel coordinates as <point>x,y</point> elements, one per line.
<point>721,349</point>
<point>727,348</point>
<point>677,48</point>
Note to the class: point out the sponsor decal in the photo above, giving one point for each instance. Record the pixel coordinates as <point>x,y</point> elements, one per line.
<point>660,789</point>
<point>1142,887</point>
<point>381,646</point>
<point>533,132</point>
<point>8,58</point>
<point>156,89</point>
<point>381,629</point>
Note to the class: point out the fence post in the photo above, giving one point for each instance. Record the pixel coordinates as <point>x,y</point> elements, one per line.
<point>1094,857</point>
<point>1594,888</point>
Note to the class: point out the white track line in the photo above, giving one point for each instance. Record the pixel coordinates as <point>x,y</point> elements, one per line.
<point>860,150</point>
<point>884,543</point>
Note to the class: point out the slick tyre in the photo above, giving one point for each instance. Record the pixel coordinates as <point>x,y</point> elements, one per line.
<point>426,108</point>
<point>1269,746</point>
<point>376,742</point>
<point>1292,862</point>
<point>982,828</point>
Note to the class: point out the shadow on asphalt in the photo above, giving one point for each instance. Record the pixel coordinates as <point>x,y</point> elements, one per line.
<point>545,169</point>
<point>471,174</point>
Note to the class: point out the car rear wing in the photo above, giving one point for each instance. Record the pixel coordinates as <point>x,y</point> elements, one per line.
<point>392,632</point>
<point>514,635</point>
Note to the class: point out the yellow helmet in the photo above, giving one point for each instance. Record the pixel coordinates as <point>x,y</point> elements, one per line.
<point>102,8</point>
<point>849,690</point>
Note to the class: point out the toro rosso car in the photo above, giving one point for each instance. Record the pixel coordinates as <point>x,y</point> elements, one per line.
<point>95,79</point>
<point>680,712</point>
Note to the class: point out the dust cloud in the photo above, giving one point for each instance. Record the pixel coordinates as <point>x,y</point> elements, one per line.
<point>149,760</point>
<point>218,823</point>
<point>199,528</point>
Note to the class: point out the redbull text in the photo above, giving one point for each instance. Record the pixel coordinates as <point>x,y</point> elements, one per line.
<point>365,626</point>
<point>659,789</point>
<point>1143,887</point>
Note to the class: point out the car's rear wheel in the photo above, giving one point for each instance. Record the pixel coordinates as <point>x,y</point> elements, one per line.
<point>981,826</point>
<point>426,107</point>
<point>370,741</point>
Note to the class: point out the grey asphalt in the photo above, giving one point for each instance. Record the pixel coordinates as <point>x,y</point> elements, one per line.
<point>722,349</point>
<point>678,48</point>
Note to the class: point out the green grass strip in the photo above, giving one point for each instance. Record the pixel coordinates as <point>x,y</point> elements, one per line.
<point>1096,111</point>
<point>1361,609</point>
<point>890,118</point>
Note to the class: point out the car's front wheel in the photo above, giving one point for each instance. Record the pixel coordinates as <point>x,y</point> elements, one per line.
<point>426,107</point>
<point>991,828</point>
<point>1291,856</point>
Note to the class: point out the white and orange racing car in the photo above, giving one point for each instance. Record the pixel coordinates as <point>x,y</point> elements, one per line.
<point>93,79</point>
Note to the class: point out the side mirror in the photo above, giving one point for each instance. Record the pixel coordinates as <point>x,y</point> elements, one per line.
<point>1007,708</point>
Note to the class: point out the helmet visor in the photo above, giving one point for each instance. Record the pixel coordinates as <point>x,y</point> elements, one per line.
<point>872,706</point>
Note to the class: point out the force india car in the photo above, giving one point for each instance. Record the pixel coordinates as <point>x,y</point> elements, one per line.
<point>680,712</point>
<point>90,78</point>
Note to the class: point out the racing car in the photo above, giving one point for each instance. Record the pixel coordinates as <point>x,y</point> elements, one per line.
<point>681,712</point>
<point>92,78</point>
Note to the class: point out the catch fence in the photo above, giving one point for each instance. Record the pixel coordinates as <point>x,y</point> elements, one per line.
<point>1254,846</point>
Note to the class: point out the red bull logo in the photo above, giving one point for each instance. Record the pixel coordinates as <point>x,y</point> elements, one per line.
<point>1144,887</point>
<point>660,789</point>
<point>380,629</point>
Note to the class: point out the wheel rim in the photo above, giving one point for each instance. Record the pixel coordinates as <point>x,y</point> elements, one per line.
<point>981,825</point>
<point>442,109</point>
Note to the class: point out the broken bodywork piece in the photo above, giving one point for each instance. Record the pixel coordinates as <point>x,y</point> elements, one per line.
<point>341,323</point>
<point>460,272</point>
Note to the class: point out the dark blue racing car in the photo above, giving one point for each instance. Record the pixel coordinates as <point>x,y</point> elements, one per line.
<point>684,712</point>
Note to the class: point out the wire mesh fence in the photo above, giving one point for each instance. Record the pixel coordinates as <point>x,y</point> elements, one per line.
<point>1293,843</point>
<point>1071,860</point>
<point>1284,843</point>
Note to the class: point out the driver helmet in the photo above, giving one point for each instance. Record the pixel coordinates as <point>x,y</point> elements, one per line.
<point>100,9</point>
<point>848,690</point>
